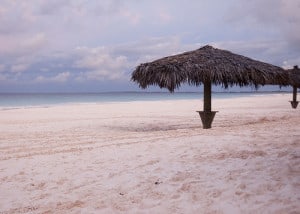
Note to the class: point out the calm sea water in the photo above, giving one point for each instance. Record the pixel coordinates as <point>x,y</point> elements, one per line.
<point>31,100</point>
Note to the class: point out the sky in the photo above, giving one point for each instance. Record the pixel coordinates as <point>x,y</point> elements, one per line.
<point>93,46</point>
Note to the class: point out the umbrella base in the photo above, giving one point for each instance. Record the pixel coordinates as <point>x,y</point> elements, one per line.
<point>207,118</point>
<point>294,104</point>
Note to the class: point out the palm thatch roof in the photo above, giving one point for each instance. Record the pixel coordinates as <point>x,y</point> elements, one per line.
<point>220,67</point>
<point>294,76</point>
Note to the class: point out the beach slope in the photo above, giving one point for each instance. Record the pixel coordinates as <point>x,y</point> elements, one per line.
<point>151,157</point>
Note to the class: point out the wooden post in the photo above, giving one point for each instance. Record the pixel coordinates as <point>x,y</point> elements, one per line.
<point>294,102</point>
<point>294,93</point>
<point>207,116</point>
<point>207,96</point>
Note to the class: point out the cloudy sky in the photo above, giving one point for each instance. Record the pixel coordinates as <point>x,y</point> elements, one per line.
<point>93,46</point>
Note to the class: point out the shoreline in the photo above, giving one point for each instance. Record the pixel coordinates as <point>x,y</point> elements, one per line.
<point>42,102</point>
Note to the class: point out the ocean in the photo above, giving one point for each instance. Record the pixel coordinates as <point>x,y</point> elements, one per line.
<point>16,100</point>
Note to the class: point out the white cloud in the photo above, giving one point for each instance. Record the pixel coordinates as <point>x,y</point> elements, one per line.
<point>59,78</point>
<point>52,7</point>
<point>271,51</point>
<point>254,47</point>
<point>281,17</point>
<point>42,35</point>
<point>2,68</point>
<point>22,46</point>
<point>153,48</point>
<point>100,64</point>
<point>35,42</point>
<point>2,77</point>
<point>164,16</point>
<point>102,75</point>
<point>44,69</point>
<point>3,11</point>
<point>291,27</point>
<point>290,63</point>
<point>19,68</point>
<point>134,18</point>
<point>117,62</point>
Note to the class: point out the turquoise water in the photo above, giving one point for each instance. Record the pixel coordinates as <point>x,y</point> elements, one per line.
<point>31,100</point>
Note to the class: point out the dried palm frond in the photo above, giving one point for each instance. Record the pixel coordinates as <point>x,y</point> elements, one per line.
<point>220,67</point>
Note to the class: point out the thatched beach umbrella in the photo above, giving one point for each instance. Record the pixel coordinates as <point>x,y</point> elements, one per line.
<point>295,82</point>
<point>208,66</point>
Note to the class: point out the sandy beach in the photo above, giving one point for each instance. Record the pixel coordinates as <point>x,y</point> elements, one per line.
<point>152,157</point>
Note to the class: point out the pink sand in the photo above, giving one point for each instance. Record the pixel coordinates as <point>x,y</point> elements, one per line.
<point>152,157</point>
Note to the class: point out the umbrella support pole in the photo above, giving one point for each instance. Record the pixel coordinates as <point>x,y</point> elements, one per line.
<point>294,103</point>
<point>207,116</point>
